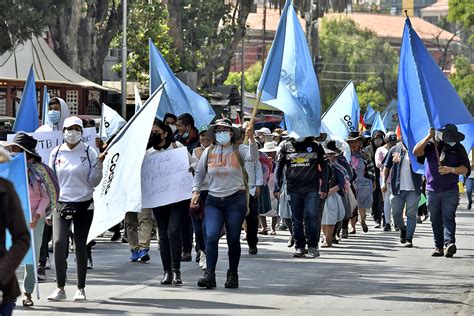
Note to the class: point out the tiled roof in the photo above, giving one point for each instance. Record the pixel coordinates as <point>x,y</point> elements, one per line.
<point>440,6</point>
<point>391,26</point>
<point>255,20</point>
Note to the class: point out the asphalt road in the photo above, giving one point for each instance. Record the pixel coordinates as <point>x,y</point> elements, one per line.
<point>367,274</point>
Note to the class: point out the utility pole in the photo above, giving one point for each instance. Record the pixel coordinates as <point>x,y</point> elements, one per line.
<point>124,59</point>
<point>242,72</point>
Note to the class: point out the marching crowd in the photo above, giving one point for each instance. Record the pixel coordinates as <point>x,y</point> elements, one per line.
<point>313,186</point>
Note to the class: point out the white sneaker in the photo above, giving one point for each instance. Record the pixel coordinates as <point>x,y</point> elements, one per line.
<point>57,295</point>
<point>80,295</point>
<point>202,261</point>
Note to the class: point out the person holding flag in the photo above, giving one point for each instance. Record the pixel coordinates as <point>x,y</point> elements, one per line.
<point>446,159</point>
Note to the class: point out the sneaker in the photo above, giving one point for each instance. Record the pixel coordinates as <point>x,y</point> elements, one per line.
<point>135,256</point>
<point>438,252</point>
<point>469,205</point>
<point>313,252</point>
<point>202,260</point>
<point>253,250</point>
<point>57,295</point>
<point>90,265</point>
<point>408,244</point>
<point>418,220</point>
<point>377,225</point>
<point>291,242</point>
<point>299,253</point>
<point>232,281</point>
<point>41,273</point>
<point>208,281</point>
<point>186,256</point>
<point>80,296</point>
<point>450,251</point>
<point>387,228</point>
<point>396,228</point>
<point>403,236</point>
<point>143,255</point>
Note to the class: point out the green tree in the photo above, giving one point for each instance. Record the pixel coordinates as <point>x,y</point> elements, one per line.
<point>251,78</point>
<point>463,81</point>
<point>351,53</point>
<point>461,12</point>
<point>146,20</point>
<point>20,19</point>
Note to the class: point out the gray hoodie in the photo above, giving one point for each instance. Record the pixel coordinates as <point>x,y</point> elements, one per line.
<point>65,113</point>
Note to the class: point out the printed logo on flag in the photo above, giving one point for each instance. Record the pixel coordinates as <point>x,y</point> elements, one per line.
<point>109,173</point>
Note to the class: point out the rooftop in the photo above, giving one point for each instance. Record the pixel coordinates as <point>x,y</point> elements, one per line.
<point>439,6</point>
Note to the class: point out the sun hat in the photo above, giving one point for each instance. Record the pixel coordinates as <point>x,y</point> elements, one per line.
<point>223,123</point>
<point>391,137</point>
<point>264,130</point>
<point>71,121</point>
<point>353,136</point>
<point>203,129</point>
<point>269,147</point>
<point>450,133</point>
<point>331,145</point>
<point>25,142</point>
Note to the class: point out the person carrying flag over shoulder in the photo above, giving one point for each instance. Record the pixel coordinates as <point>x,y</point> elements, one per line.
<point>446,159</point>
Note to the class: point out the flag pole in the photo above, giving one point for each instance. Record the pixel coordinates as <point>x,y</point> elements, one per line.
<point>254,113</point>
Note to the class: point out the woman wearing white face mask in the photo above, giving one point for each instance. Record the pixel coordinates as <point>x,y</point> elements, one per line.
<point>79,170</point>
<point>227,200</point>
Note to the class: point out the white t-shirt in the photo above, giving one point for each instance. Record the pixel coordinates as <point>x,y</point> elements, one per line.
<point>406,181</point>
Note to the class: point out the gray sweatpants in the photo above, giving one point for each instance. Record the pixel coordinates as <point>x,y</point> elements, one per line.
<point>82,224</point>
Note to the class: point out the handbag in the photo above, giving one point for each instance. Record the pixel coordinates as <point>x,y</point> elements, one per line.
<point>197,211</point>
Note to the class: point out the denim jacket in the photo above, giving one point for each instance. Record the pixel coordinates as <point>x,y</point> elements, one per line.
<point>396,168</point>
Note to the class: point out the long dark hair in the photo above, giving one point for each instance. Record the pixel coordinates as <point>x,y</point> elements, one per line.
<point>165,128</point>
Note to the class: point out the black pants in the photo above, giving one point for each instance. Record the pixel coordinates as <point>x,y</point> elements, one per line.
<point>252,223</point>
<point>47,235</point>
<point>187,234</point>
<point>170,220</point>
<point>82,223</point>
<point>377,205</point>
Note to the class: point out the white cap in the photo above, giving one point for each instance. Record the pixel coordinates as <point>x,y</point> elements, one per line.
<point>264,130</point>
<point>72,120</point>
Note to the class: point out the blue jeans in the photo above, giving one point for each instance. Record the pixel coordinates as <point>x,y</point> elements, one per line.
<point>6,309</point>
<point>469,184</point>
<point>230,211</point>
<point>398,201</point>
<point>306,216</point>
<point>442,207</point>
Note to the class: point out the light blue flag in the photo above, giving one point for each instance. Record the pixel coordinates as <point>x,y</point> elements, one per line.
<point>385,120</point>
<point>426,98</point>
<point>178,97</point>
<point>344,113</point>
<point>46,99</point>
<point>15,172</point>
<point>27,115</point>
<point>288,81</point>
<point>369,115</point>
<point>390,115</point>
<point>377,124</point>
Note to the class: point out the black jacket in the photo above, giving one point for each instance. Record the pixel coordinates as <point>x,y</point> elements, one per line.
<point>11,218</point>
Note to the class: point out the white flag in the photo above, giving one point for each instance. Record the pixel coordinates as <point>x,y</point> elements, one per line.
<point>138,99</point>
<point>120,189</point>
<point>110,122</point>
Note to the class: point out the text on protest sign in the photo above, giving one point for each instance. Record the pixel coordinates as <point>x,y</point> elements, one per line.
<point>166,178</point>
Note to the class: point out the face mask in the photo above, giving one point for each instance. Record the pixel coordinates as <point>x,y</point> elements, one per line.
<point>54,116</point>
<point>155,138</point>
<point>173,128</point>
<point>223,138</point>
<point>72,137</point>
<point>378,142</point>
<point>450,143</point>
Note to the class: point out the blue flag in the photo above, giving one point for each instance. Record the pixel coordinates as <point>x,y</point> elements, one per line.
<point>46,99</point>
<point>178,97</point>
<point>468,131</point>
<point>343,115</point>
<point>377,124</point>
<point>426,98</point>
<point>288,81</point>
<point>385,120</point>
<point>27,115</point>
<point>369,115</point>
<point>15,172</point>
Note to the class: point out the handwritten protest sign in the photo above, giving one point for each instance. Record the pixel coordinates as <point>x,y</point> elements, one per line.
<point>47,141</point>
<point>165,178</point>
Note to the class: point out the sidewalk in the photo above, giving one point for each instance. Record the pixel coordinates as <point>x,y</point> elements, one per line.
<point>366,274</point>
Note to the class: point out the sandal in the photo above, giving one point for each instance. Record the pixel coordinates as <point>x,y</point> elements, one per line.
<point>326,245</point>
<point>27,301</point>
<point>273,233</point>
<point>263,232</point>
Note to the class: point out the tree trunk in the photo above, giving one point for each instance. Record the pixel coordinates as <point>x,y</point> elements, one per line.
<point>225,56</point>
<point>175,24</point>
<point>83,32</point>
